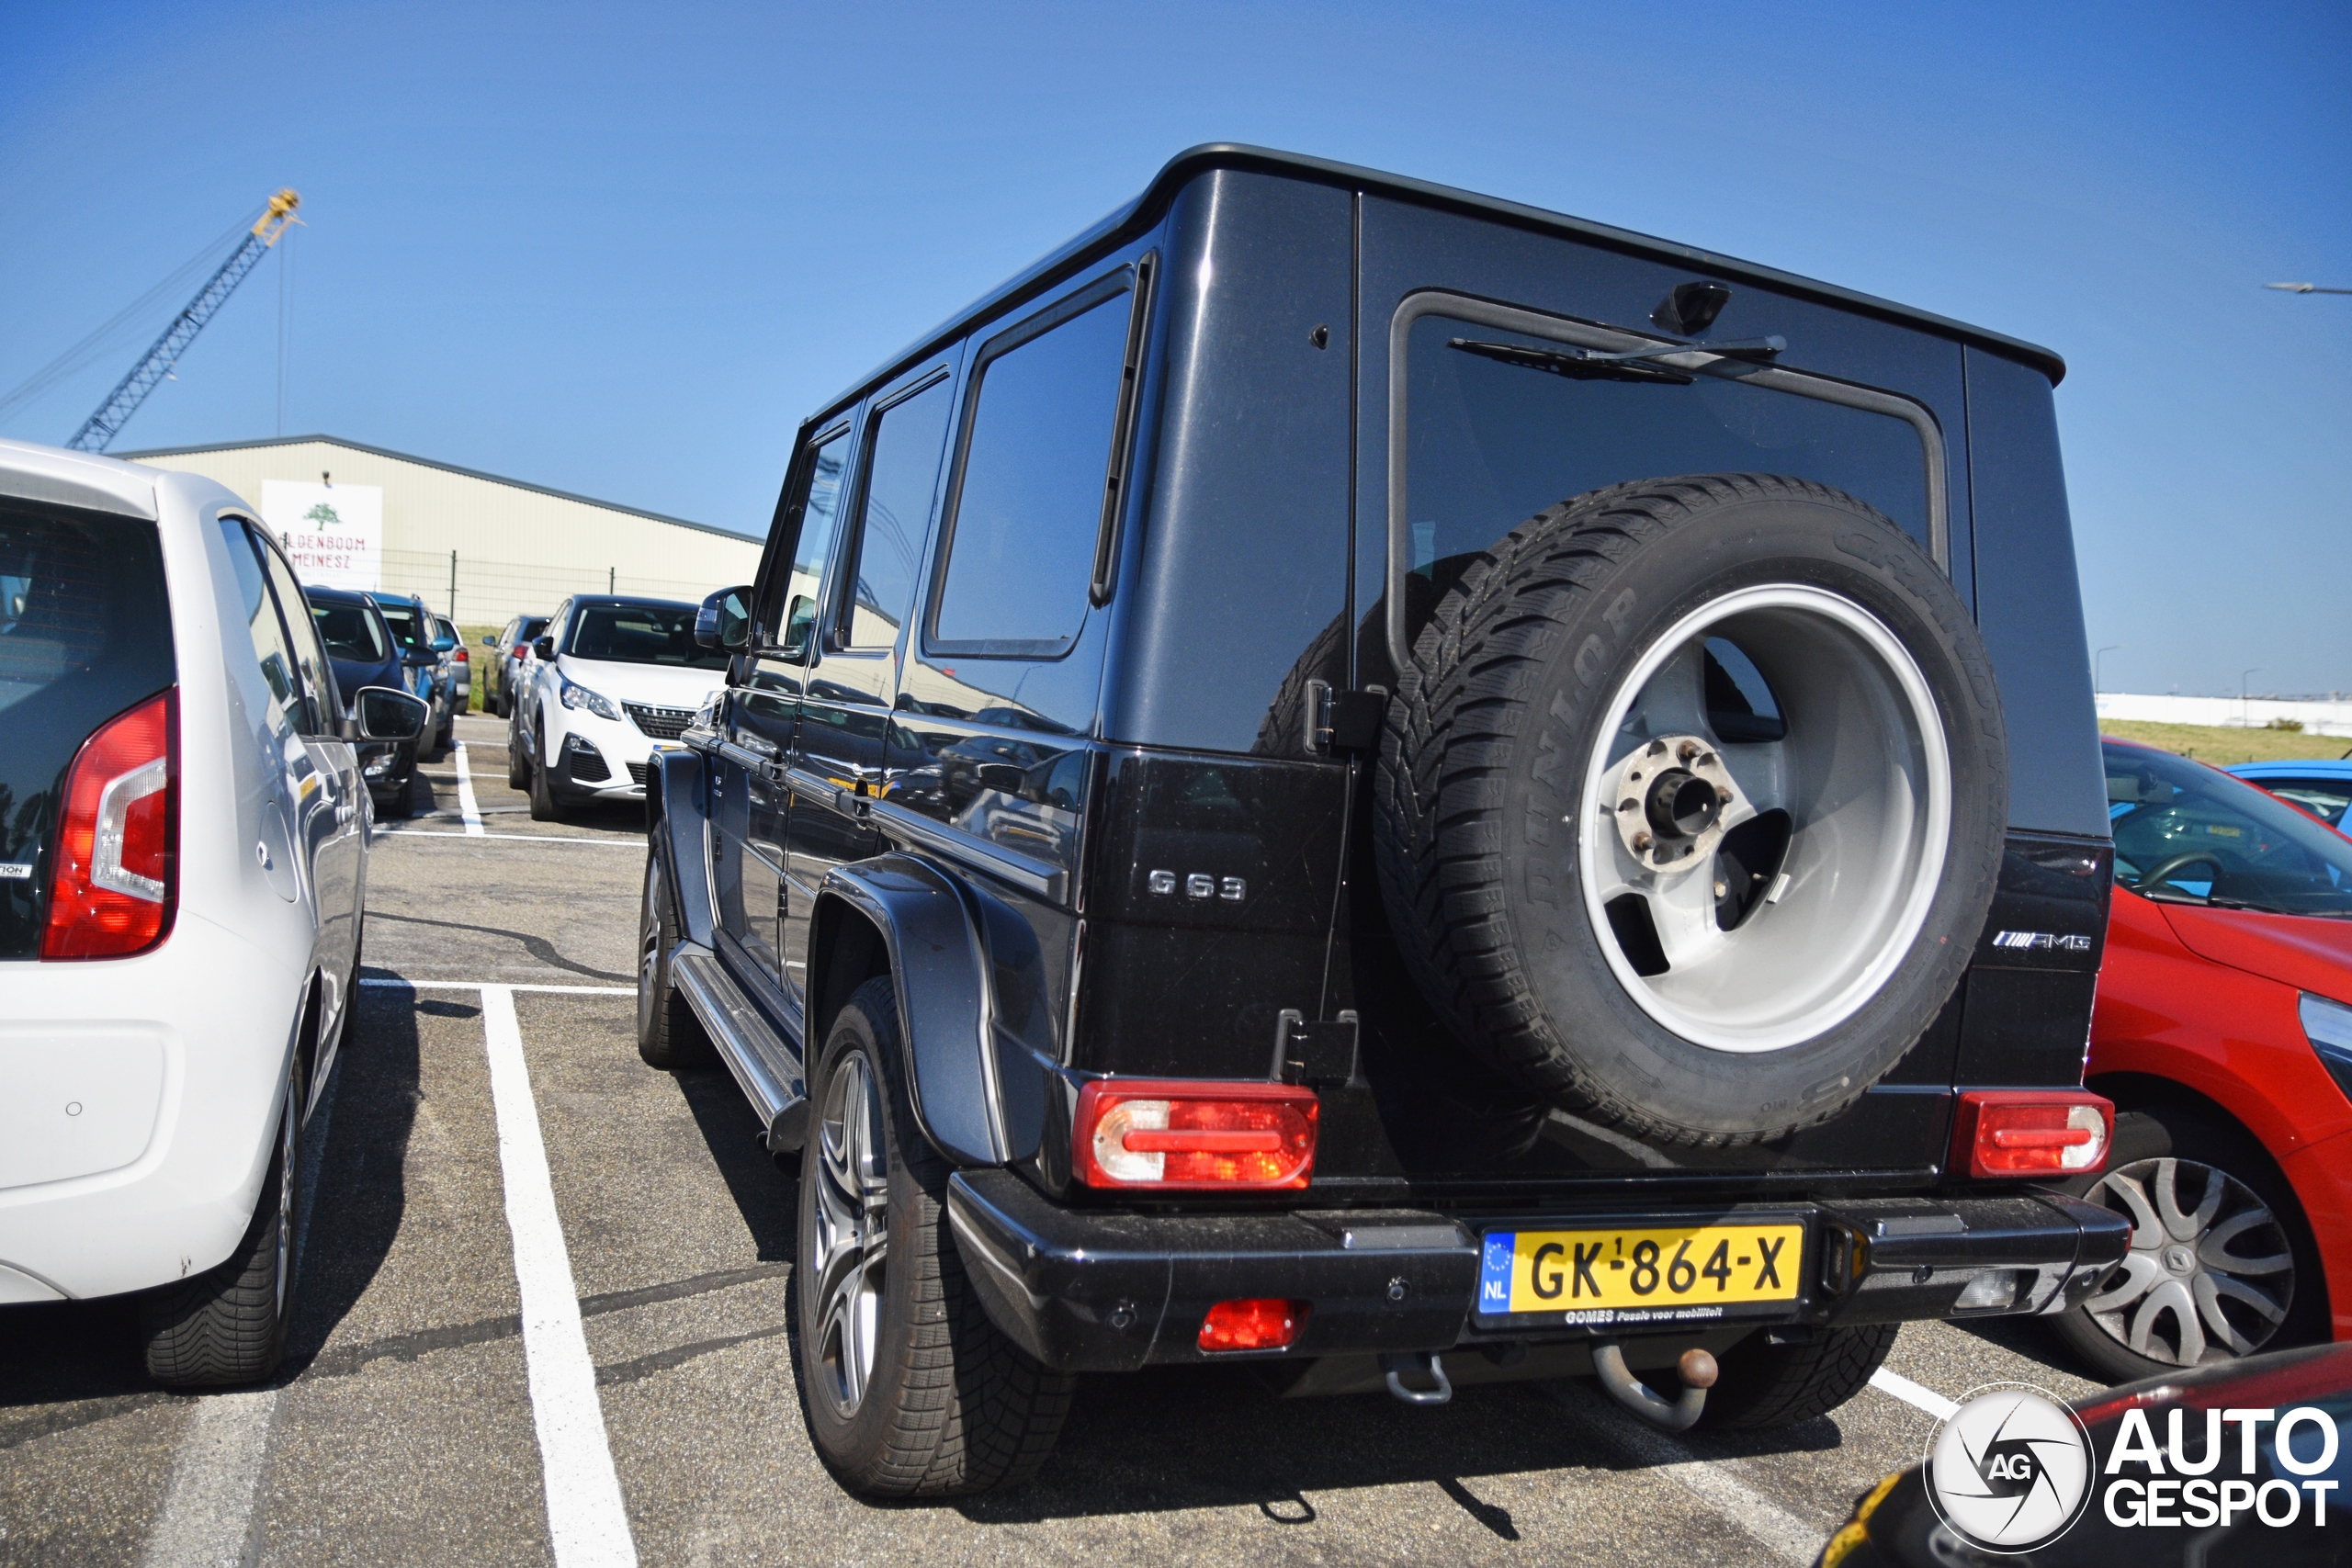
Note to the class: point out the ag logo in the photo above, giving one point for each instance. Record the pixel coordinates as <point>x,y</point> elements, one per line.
<point>324,515</point>
<point>2010,1470</point>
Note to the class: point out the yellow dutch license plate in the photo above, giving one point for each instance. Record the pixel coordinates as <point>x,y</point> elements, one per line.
<point>1660,1270</point>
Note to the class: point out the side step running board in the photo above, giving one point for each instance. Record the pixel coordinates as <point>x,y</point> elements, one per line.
<point>766,1066</point>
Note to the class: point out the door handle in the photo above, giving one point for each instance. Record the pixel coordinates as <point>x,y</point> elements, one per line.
<point>825,792</point>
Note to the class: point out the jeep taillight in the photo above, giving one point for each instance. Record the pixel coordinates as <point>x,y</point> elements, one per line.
<point>117,878</point>
<point>2032,1133</point>
<point>1232,1136</point>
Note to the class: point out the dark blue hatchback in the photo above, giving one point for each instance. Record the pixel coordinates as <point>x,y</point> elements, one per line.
<point>360,647</point>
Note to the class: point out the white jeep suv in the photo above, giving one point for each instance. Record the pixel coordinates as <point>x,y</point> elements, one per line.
<point>183,863</point>
<point>610,680</point>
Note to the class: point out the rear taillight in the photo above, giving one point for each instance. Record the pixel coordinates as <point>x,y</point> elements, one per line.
<point>522,650</point>
<point>118,876</point>
<point>2032,1133</point>
<point>1135,1133</point>
<point>1252,1324</point>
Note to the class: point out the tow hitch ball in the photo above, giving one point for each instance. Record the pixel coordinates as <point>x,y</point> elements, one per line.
<point>1699,1374</point>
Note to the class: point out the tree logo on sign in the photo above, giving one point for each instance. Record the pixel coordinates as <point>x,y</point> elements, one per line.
<point>322,514</point>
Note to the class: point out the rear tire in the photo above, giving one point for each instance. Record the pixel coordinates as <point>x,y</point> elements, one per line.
<point>1765,1385</point>
<point>908,1388</point>
<point>544,804</point>
<point>669,1036</point>
<point>228,1324</point>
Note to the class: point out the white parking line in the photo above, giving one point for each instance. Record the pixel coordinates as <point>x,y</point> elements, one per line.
<point>1910,1392</point>
<point>209,1507</point>
<point>465,806</point>
<point>405,983</point>
<point>586,1520</point>
<point>473,830</point>
<point>1711,1481</point>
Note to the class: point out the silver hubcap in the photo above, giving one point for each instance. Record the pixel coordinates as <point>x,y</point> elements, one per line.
<point>2210,1275</point>
<point>1860,783</point>
<point>853,1231</point>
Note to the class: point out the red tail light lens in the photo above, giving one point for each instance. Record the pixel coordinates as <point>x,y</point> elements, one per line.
<point>116,877</point>
<point>1134,1133</point>
<point>1252,1325</point>
<point>522,650</point>
<point>2032,1133</point>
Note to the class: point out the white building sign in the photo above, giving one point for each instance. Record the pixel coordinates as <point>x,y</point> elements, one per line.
<point>334,534</point>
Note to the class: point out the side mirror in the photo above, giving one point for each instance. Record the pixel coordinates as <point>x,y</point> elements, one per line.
<point>725,621</point>
<point>387,715</point>
<point>443,644</point>
<point>490,641</point>
<point>544,648</point>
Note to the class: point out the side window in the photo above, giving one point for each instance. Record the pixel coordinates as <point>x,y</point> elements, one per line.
<point>1029,501</point>
<point>310,654</point>
<point>820,516</point>
<point>266,636</point>
<point>902,473</point>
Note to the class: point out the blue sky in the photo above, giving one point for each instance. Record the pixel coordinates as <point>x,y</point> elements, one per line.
<point>623,249</point>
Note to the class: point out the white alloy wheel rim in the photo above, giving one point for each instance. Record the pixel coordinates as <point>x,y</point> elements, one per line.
<point>1869,821</point>
<point>2187,1294</point>
<point>853,1233</point>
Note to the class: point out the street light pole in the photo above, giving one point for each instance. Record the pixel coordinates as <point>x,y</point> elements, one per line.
<point>2306,289</point>
<point>2102,653</point>
<point>2245,712</point>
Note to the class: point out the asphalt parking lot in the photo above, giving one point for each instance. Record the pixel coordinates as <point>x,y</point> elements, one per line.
<point>436,1405</point>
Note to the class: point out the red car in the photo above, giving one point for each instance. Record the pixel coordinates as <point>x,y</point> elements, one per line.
<point>2224,1034</point>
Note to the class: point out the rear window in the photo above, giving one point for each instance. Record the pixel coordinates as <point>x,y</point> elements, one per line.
<point>350,632</point>
<point>84,633</point>
<point>640,634</point>
<point>408,630</point>
<point>1501,427</point>
<point>2323,798</point>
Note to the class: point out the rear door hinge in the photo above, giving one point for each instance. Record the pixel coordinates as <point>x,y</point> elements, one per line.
<point>1343,720</point>
<point>1320,1055</point>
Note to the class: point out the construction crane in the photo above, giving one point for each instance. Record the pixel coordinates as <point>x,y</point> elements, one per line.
<point>99,430</point>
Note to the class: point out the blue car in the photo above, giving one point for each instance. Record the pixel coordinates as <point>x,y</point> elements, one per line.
<point>2320,786</point>
<point>422,648</point>
<point>361,648</point>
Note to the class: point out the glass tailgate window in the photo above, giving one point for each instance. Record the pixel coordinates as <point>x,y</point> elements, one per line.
<point>1491,442</point>
<point>84,633</point>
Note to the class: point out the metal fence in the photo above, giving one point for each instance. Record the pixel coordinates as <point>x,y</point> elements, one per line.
<point>474,591</point>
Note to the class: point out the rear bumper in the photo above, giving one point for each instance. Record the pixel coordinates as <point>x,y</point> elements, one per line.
<point>1097,1290</point>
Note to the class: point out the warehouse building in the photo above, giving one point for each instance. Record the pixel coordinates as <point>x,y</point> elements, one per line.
<point>479,548</point>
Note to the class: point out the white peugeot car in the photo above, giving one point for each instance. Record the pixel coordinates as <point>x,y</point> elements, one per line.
<point>610,679</point>
<point>183,862</point>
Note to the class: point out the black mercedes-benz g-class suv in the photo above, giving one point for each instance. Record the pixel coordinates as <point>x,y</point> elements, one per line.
<point>1354,776</point>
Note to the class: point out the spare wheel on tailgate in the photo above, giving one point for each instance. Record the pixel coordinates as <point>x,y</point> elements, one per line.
<point>1691,801</point>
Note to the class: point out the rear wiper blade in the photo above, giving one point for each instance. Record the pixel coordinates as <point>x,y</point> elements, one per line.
<point>1632,365</point>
